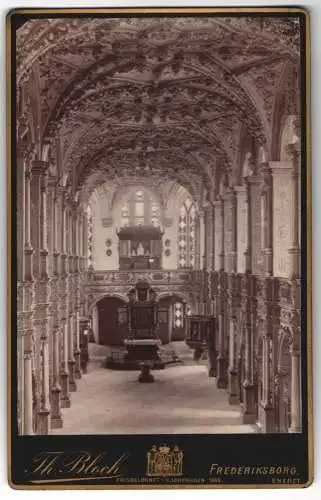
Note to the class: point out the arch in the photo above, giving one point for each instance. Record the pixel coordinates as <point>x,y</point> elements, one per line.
<point>116,295</point>
<point>112,328</point>
<point>180,295</point>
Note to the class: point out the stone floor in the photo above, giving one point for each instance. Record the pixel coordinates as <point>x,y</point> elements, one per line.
<point>183,399</point>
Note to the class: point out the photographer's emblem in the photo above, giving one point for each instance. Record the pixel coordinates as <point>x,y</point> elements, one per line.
<point>164,461</point>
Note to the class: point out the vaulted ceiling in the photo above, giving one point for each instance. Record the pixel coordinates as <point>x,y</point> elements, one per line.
<point>126,98</point>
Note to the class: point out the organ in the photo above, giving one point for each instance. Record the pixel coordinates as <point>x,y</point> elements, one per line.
<point>140,247</point>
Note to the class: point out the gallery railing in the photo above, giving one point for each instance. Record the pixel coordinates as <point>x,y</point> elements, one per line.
<point>161,277</point>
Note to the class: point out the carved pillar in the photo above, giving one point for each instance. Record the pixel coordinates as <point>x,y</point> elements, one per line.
<point>296,425</point>
<point>77,243</point>
<point>282,218</point>
<point>209,237</point>
<point>232,369</point>
<point>197,242</point>
<point>255,224</point>
<point>64,373</point>
<point>267,219</point>
<point>25,294</point>
<point>241,227</point>
<point>248,246</point>
<point>222,361</point>
<point>28,301</point>
<point>72,295</point>
<point>222,226</point>
<point>268,414</point>
<point>212,255</point>
<point>21,150</point>
<point>294,251</point>
<point>233,234</point>
<point>42,292</point>
<point>56,417</point>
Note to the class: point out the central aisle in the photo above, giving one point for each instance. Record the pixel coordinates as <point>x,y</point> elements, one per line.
<point>182,400</point>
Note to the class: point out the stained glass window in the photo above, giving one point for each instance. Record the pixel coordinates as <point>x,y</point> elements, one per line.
<point>140,209</point>
<point>186,235</point>
<point>90,236</point>
<point>178,316</point>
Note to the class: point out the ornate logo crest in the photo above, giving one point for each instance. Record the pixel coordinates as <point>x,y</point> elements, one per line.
<point>164,461</point>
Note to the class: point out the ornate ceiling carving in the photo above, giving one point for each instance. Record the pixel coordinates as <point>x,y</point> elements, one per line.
<point>128,98</point>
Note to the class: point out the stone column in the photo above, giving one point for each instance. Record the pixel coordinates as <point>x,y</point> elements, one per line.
<point>72,295</point>
<point>248,245</point>
<point>294,251</point>
<point>42,291</point>
<point>248,407</point>
<point>241,227</point>
<point>209,237</point>
<point>201,239</point>
<point>212,255</point>
<point>28,303</point>
<point>222,362</point>
<point>267,219</point>
<point>64,374</point>
<point>71,358</point>
<point>268,416</point>
<point>76,244</point>
<point>232,369</point>
<point>255,225</point>
<point>56,417</point>
<point>197,243</point>
<point>248,396</point>
<point>21,150</point>
<point>296,425</point>
<point>28,394</point>
<point>233,234</point>
<point>77,347</point>
<point>282,218</point>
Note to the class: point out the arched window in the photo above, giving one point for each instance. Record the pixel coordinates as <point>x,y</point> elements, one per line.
<point>178,316</point>
<point>180,311</point>
<point>140,209</point>
<point>186,235</point>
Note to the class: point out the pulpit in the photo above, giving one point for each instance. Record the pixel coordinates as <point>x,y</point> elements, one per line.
<point>142,343</point>
<point>140,247</point>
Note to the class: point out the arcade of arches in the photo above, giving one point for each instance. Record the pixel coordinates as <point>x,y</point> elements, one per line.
<point>165,151</point>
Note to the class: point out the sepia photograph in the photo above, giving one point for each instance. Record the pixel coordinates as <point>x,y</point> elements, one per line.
<point>161,172</point>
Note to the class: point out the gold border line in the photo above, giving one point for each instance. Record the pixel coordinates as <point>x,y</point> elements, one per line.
<point>9,239</point>
<point>308,128</point>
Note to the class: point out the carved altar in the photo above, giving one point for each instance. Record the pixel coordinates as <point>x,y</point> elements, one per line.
<point>140,247</point>
<point>142,342</point>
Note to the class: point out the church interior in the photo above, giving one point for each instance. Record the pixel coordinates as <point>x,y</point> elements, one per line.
<point>158,225</point>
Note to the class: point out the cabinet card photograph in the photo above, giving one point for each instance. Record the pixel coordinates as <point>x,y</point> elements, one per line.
<point>160,212</point>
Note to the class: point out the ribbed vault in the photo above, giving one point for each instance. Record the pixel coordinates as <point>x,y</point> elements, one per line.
<point>125,98</point>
